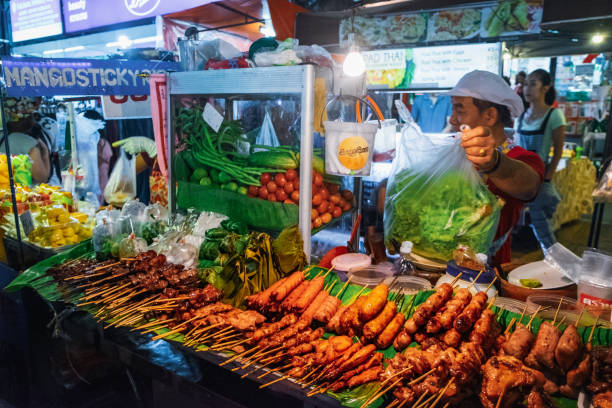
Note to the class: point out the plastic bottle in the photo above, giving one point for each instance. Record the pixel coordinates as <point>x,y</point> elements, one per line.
<point>405,264</point>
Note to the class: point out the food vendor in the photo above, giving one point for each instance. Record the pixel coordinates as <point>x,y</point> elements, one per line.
<point>482,103</point>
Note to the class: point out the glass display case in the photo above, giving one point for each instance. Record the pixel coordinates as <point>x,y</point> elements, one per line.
<point>240,142</point>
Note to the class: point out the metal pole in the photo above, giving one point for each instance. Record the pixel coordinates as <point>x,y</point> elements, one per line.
<point>306,142</point>
<point>10,173</point>
<point>170,161</point>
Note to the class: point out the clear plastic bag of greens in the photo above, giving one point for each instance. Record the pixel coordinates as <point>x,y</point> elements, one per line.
<point>436,199</point>
<point>121,186</point>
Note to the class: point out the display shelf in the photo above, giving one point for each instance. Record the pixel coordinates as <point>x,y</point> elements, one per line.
<point>253,84</point>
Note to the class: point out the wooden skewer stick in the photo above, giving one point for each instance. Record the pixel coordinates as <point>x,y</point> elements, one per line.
<point>227,339</point>
<point>327,273</point>
<point>153,323</point>
<point>523,314</point>
<point>315,378</point>
<point>256,369</point>
<point>561,321</point>
<point>106,266</point>
<point>509,326</point>
<point>230,344</point>
<point>273,382</point>
<point>239,355</point>
<point>394,403</point>
<point>271,371</point>
<point>476,278</point>
<point>490,284</point>
<point>320,272</point>
<point>500,398</point>
<point>533,316</point>
<point>176,329</point>
<point>223,332</point>
<point>84,276</point>
<point>309,374</point>
<point>343,287</point>
<point>427,401</point>
<point>442,393</point>
<point>356,296</point>
<point>416,380</point>
<point>418,401</point>
<point>491,302</point>
<point>380,393</point>
<point>593,329</point>
<point>579,317</point>
<point>331,286</point>
<point>456,279</point>
<point>446,405</point>
<point>256,358</point>
<point>557,311</point>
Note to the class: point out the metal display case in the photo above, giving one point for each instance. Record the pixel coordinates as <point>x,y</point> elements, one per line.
<point>228,88</point>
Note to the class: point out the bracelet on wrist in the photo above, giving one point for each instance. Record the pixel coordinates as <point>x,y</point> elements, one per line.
<point>496,165</point>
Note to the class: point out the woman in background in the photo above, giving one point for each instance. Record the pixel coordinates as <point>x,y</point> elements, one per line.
<point>538,129</point>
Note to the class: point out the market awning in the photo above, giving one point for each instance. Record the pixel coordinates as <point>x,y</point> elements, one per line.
<point>240,17</point>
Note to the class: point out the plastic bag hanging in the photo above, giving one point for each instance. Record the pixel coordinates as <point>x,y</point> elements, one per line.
<point>121,186</point>
<point>436,199</point>
<point>349,146</point>
<point>267,134</point>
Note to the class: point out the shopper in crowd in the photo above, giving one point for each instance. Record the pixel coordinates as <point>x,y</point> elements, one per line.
<point>538,129</point>
<point>519,83</point>
<point>32,142</point>
<point>482,103</point>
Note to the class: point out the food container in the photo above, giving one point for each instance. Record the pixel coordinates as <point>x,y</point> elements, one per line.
<point>408,285</point>
<point>467,277</point>
<point>370,276</point>
<point>569,309</point>
<point>346,262</point>
<point>510,304</point>
<point>597,293</point>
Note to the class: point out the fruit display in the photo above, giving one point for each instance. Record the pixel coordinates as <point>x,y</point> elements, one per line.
<point>57,227</point>
<point>22,170</point>
<point>328,201</point>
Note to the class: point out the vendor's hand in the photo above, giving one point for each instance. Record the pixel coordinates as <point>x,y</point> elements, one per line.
<point>138,144</point>
<point>479,146</point>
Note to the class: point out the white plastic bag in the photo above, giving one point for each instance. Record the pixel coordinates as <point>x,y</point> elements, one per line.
<point>121,186</point>
<point>267,134</point>
<point>436,199</point>
<point>603,191</point>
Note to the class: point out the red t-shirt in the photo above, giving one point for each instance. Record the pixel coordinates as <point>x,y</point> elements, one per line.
<point>511,211</point>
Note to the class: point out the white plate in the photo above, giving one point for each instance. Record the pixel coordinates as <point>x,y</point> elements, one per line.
<point>550,278</point>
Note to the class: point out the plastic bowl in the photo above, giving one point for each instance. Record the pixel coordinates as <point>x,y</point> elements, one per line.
<point>569,309</point>
<point>510,304</point>
<point>370,276</point>
<point>408,285</point>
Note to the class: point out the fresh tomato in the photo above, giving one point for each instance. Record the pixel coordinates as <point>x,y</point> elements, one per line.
<point>346,206</point>
<point>342,202</point>
<point>280,179</point>
<point>263,192</point>
<point>337,212</point>
<point>272,187</point>
<point>281,195</point>
<point>291,174</point>
<point>253,191</point>
<point>317,179</point>
<point>296,183</point>
<point>288,202</point>
<point>271,197</point>
<point>327,217</point>
<point>295,196</point>
<point>323,207</point>
<point>335,198</point>
<point>333,188</point>
<point>324,193</point>
<point>289,188</point>
<point>317,222</point>
<point>347,195</point>
<point>316,199</point>
<point>313,214</point>
<point>265,177</point>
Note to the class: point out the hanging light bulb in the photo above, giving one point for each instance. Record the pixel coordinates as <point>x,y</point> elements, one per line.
<point>353,65</point>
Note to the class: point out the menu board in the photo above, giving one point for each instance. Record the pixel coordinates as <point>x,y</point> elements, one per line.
<point>428,67</point>
<point>32,19</point>
<point>503,18</point>
<point>85,14</point>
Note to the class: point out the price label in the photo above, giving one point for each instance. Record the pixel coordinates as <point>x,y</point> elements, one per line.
<point>212,117</point>
<point>27,222</point>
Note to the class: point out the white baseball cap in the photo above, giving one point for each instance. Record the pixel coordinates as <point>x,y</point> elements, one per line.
<point>490,87</point>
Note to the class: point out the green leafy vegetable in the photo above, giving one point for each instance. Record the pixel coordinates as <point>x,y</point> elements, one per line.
<point>288,249</point>
<point>440,212</point>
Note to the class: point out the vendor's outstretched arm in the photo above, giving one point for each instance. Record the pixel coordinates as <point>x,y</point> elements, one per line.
<point>516,178</point>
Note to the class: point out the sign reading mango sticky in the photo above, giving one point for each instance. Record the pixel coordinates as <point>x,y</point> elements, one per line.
<point>212,117</point>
